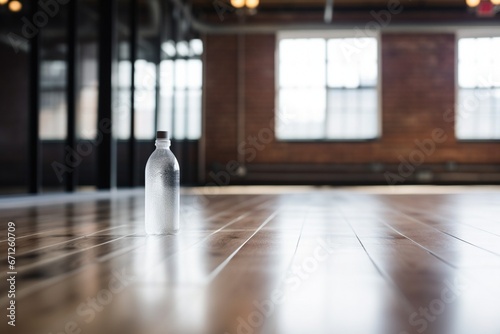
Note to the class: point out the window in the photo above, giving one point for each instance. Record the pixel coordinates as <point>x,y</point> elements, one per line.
<point>122,103</point>
<point>327,88</point>
<point>88,91</point>
<point>479,89</point>
<point>53,106</point>
<point>145,99</point>
<point>181,89</point>
<point>53,100</point>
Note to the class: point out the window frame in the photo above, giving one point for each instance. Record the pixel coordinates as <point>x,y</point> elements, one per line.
<point>469,33</point>
<point>329,34</point>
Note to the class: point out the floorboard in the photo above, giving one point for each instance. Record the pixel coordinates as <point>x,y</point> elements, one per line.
<point>271,260</point>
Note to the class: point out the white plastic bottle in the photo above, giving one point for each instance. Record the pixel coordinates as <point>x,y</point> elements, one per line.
<point>162,188</point>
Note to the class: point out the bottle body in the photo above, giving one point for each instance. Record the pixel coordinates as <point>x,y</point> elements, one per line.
<point>162,191</point>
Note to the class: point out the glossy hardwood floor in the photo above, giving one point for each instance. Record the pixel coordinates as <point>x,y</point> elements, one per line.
<point>260,260</point>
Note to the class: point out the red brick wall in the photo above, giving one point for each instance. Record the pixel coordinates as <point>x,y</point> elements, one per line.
<point>417,89</point>
<point>220,91</point>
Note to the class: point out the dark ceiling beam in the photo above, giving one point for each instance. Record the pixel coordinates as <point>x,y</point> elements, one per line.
<point>346,8</point>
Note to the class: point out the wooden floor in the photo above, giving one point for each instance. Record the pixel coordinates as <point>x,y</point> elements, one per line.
<point>260,260</point>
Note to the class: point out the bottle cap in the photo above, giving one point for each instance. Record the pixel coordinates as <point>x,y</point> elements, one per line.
<point>161,134</point>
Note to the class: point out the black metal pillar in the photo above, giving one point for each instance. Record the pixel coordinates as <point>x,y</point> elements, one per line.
<point>132,148</point>
<point>35,163</point>
<point>106,166</point>
<point>71,178</point>
<point>157,53</point>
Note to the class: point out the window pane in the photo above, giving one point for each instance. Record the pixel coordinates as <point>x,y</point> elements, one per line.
<point>169,48</point>
<point>352,114</point>
<point>52,115</point>
<point>478,114</point>
<point>166,95</point>
<point>467,74</point>
<point>122,114</point>
<point>196,46</point>
<point>167,76</point>
<point>87,116</point>
<point>122,103</point>
<point>352,62</point>
<point>194,114</point>
<point>145,77</point>
<point>145,101</point>
<point>53,99</point>
<point>495,66</point>
<point>194,73</point>
<point>165,112</point>
<point>302,63</point>
<point>180,73</point>
<point>124,68</point>
<point>145,114</point>
<point>179,130</point>
<point>478,109</point>
<point>306,111</point>
<point>182,48</point>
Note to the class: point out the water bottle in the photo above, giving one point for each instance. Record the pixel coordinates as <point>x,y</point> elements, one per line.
<point>162,188</point>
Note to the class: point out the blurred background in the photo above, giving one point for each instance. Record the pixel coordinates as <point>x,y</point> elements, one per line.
<point>252,92</point>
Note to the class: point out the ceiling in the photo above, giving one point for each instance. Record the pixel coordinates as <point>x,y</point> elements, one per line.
<point>339,6</point>
<point>344,13</point>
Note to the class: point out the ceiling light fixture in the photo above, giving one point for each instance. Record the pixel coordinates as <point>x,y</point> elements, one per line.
<point>238,3</point>
<point>250,4</point>
<point>15,6</point>
<point>472,3</point>
<point>485,8</point>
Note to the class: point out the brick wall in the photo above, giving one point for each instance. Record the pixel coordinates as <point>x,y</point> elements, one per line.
<point>417,90</point>
<point>221,97</point>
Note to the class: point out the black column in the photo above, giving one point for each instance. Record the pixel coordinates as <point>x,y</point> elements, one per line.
<point>35,163</point>
<point>71,178</point>
<point>157,54</point>
<point>134,8</point>
<point>106,167</point>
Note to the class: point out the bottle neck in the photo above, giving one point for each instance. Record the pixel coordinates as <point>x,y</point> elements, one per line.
<point>162,143</point>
